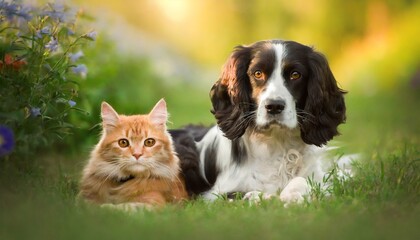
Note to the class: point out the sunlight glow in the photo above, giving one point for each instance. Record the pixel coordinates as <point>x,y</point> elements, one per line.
<point>174,10</point>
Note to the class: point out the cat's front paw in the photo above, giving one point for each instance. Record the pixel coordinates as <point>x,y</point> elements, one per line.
<point>130,207</point>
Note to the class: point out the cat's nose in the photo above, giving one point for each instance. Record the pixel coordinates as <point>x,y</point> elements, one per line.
<point>137,155</point>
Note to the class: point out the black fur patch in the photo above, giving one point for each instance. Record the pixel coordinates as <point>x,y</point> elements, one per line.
<point>124,180</point>
<point>239,152</point>
<point>235,195</point>
<point>231,95</point>
<point>210,169</point>
<point>320,102</point>
<point>184,142</point>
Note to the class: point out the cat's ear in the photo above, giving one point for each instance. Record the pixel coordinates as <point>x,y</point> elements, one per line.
<point>109,116</point>
<point>159,114</point>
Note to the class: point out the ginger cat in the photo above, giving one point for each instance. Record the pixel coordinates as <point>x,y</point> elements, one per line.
<point>134,164</point>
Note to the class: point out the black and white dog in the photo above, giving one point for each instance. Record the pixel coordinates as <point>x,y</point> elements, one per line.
<point>277,104</point>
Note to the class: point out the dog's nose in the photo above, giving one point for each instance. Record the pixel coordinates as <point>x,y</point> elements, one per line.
<point>274,106</point>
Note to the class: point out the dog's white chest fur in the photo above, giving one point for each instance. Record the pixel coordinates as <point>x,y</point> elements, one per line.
<point>272,160</point>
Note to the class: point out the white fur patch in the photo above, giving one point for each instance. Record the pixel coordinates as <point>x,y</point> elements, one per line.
<point>277,90</point>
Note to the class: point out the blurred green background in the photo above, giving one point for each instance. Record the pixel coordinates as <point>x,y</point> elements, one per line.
<point>175,49</point>
<point>364,40</point>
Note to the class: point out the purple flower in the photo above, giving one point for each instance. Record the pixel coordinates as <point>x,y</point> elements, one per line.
<point>6,140</point>
<point>91,35</point>
<point>52,45</point>
<point>72,103</point>
<point>38,34</point>
<point>23,12</point>
<point>10,10</point>
<point>35,112</point>
<point>58,16</point>
<point>70,32</point>
<point>60,12</point>
<point>75,56</point>
<point>80,69</point>
<point>44,31</point>
<point>57,12</point>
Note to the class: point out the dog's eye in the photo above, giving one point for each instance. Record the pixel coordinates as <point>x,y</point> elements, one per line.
<point>149,142</point>
<point>123,143</point>
<point>295,75</point>
<point>258,74</point>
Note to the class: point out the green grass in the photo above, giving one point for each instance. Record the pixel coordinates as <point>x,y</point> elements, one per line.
<point>380,202</point>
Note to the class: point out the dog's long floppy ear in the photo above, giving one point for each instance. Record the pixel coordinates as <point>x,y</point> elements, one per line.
<point>231,94</point>
<point>325,108</point>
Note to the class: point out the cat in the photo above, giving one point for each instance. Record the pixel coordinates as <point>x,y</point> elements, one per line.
<point>134,164</point>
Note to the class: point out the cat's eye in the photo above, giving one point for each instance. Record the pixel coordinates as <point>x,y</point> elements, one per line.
<point>258,75</point>
<point>295,75</point>
<point>149,142</point>
<point>123,143</point>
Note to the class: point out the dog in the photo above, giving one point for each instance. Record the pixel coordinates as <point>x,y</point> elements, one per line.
<point>277,104</point>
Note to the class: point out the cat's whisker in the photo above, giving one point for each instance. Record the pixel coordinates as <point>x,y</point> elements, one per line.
<point>168,171</point>
<point>109,175</point>
<point>114,173</point>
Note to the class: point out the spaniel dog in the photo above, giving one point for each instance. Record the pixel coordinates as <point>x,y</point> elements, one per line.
<point>277,104</point>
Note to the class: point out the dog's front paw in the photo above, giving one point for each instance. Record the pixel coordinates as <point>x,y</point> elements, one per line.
<point>291,197</point>
<point>295,191</point>
<point>255,197</point>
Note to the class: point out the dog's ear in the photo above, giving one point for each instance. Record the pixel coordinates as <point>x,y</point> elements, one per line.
<point>325,108</point>
<point>231,95</point>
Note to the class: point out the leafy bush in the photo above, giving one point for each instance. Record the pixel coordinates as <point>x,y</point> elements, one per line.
<point>40,50</point>
<point>131,85</point>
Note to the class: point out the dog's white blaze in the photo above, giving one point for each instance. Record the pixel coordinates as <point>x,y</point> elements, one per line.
<point>277,90</point>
